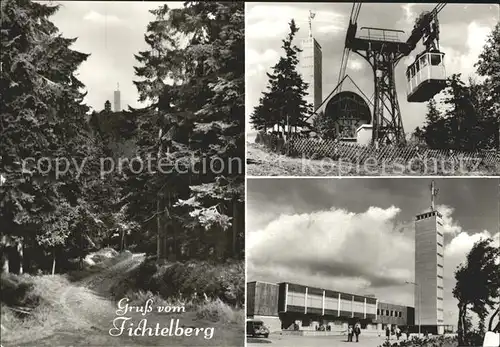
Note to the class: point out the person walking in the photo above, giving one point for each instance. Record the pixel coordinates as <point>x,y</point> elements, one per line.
<point>349,333</point>
<point>357,331</point>
<point>387,332</point>
<point>398,333</point>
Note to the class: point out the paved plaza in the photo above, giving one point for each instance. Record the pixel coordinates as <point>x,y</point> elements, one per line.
<point>316,341</point>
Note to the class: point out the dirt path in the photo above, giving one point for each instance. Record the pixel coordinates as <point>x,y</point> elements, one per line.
<point>90,312</point>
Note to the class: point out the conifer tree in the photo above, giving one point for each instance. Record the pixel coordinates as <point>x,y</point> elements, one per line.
<point>283,103</point>
<point>42,117</point>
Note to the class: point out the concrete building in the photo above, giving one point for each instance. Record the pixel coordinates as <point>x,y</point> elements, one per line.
<point>283,304</point>
<point>116,100</point>
<point>429,262</point>
<point>311,69</point>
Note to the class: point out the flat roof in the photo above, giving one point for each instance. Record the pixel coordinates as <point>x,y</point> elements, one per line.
<point>331,290</point>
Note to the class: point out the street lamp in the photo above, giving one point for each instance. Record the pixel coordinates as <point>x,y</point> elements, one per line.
<point>419,300</point>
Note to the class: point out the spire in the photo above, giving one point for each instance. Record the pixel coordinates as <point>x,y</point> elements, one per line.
<point>311,17</point>
<point>434,192</point>
<point>117,86</point>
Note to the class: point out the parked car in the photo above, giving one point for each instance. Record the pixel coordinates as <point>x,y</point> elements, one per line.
<point>257,328</point>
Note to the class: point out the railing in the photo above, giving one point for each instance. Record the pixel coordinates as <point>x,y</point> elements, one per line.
<point>481,160</point>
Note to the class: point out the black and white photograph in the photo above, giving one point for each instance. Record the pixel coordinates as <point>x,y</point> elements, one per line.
<point>122,173</point>
<point>373,261</point>
<point>372,89</point>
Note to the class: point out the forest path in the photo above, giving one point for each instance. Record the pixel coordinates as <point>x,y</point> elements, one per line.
<point>90,311</point>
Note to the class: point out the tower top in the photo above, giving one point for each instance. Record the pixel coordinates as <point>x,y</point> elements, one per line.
<point>311,17</point>
<point>434,192</point>
<point>117,86</point>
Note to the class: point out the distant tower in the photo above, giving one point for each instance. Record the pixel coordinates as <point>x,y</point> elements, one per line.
<point>117,102</point>
<point>310,67</point>
<point>429,262</point>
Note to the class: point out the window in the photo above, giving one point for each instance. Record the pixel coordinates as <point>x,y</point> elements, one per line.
<point>440,255</point>
<point>400,314</point>
<point>435,59</point>
<point>440,234</point>
<point>423,60</point>
<point>440,298</point>
<point>439,276</point>
<point>387,312</point>
<point>440,265</point>
<point>378,312</point>
<point>439,244</point>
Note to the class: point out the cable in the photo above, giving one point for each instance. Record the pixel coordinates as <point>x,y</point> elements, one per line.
<point>355,10</point>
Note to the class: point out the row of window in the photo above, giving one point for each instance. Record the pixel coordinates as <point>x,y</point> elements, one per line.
<point>390,313</point>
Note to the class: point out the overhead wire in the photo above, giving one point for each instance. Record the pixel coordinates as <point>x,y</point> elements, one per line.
<point>355,10</point>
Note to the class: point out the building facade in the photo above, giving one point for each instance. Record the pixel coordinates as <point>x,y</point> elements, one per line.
<point>429,271</point>
<point>311,69</point>
<point>283,304</point>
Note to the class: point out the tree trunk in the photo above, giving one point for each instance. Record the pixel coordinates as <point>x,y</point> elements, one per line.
<point>122,242</point>
<point>490,324</point>
<point>54,262</point>
<point>462,324</point>
<point>5,260</point>
<point>159,242</point>
<point>235,226</point>
<point>20,251</point>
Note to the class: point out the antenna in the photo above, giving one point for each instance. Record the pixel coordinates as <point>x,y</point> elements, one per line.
<point>434,192</point>
<point>117,86</point>
<point>311,17</point>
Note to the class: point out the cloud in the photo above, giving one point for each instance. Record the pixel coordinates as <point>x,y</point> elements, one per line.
<point>457,61</point>
<point>96,17</point>
<point>258,62</point>
<point>355,64</point>
<point>337,245</point>
<point>270,21</point>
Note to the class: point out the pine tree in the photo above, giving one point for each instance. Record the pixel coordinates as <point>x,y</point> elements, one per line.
<point>461,115</point>
<point>283,103</point>
<point>434,130</point>
<point>489,66</point>
<point>42,117</point>
<point>196,88</point>
<point>325,126</point>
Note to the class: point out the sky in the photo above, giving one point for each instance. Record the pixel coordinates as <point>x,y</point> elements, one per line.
<point>357,235</point>
<point>464,31</point>
<point>112,32</point>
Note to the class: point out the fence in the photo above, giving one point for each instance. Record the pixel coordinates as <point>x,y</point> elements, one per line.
<point>483,160</point>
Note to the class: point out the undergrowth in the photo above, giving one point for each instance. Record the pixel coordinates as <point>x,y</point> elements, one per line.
<point>441,341</point>
<point>214,292</point>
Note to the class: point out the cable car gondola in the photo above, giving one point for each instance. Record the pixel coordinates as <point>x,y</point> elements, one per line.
<point>426,77</point>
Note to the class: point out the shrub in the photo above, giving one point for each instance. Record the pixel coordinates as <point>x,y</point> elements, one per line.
<point>18,291</point>
<point>193,281</point>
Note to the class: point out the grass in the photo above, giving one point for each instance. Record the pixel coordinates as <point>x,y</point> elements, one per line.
<point>214,292</point>
<point>64,313</point>
<point>263,162</point>
<point>47,311</point>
